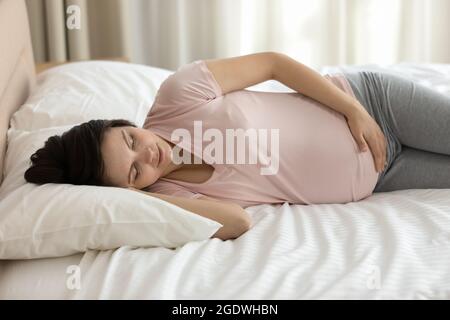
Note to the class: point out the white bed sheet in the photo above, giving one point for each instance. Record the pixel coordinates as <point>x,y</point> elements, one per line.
<point>392,245</point>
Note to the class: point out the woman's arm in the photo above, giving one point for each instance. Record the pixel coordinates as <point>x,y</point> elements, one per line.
<point>309,82</point>
<point>244,71</point>
<point>241,72</point>
<point>233,217</point>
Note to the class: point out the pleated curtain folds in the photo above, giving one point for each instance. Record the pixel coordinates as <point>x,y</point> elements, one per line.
<point>101,31</point>
<point>170,33</point>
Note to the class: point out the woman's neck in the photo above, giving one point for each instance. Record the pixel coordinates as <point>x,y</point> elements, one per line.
<point>172,167</point>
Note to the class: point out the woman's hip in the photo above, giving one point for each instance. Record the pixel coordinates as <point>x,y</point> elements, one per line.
<point>368,87</point>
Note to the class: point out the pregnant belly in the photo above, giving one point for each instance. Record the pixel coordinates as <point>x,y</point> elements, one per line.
<point>325,166</point>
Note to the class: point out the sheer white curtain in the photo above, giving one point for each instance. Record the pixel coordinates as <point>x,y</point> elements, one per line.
<point>169,33</point>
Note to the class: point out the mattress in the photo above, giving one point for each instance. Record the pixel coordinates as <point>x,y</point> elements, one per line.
<point>393,245</point>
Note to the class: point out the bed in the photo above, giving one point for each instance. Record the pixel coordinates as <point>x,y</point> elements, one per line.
<point>392,245</point>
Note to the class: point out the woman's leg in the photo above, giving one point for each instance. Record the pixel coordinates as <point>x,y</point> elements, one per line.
<point>416,122</point>
<point>416,169</point>
<point>420,116</point>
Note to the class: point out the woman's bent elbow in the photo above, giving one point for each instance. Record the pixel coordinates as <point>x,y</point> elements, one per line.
<point>244,224</point>
<point>244,227</point>
<point>234,231</point>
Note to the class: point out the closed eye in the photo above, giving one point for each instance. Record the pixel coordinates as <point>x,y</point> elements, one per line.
<point>135,167</point>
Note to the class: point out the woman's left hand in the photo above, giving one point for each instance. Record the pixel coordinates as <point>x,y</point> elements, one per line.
<point>366,131</point>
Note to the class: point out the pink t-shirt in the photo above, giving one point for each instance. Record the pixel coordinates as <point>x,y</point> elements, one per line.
<point>319,160</point>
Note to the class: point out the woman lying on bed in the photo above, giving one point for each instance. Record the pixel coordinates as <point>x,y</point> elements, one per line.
<point>337,139</point>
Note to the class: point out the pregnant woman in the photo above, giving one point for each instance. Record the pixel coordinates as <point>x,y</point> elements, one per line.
<point>337,139</point>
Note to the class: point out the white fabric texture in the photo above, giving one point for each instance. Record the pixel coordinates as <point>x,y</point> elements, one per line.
<point>80,91</point>
<point>52,220</point>
<point>391,245</point>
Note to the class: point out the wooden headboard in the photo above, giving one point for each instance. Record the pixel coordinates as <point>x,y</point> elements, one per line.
<point>17,69</point>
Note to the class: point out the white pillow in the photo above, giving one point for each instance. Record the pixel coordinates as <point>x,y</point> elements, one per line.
<point>51,220</point>
<point>81,91</point>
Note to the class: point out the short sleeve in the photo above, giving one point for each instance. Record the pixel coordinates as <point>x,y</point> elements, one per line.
<point>172,189</point>
<point>191,84</point>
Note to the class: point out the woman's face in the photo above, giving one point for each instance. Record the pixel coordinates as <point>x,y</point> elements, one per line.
<point>134,157</point>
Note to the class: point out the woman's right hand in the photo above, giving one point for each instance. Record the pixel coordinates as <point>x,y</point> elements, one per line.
<point>367,133</point>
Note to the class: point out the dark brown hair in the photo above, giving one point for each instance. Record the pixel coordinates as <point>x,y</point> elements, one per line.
<point>74,157</point>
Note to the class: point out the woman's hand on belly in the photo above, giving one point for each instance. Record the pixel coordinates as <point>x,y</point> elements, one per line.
<point>366,131</point>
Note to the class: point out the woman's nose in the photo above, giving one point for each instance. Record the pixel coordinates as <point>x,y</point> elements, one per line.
<point>148,156</point>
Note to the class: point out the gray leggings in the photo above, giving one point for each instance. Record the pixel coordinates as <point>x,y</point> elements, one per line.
<point>416,122</point>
